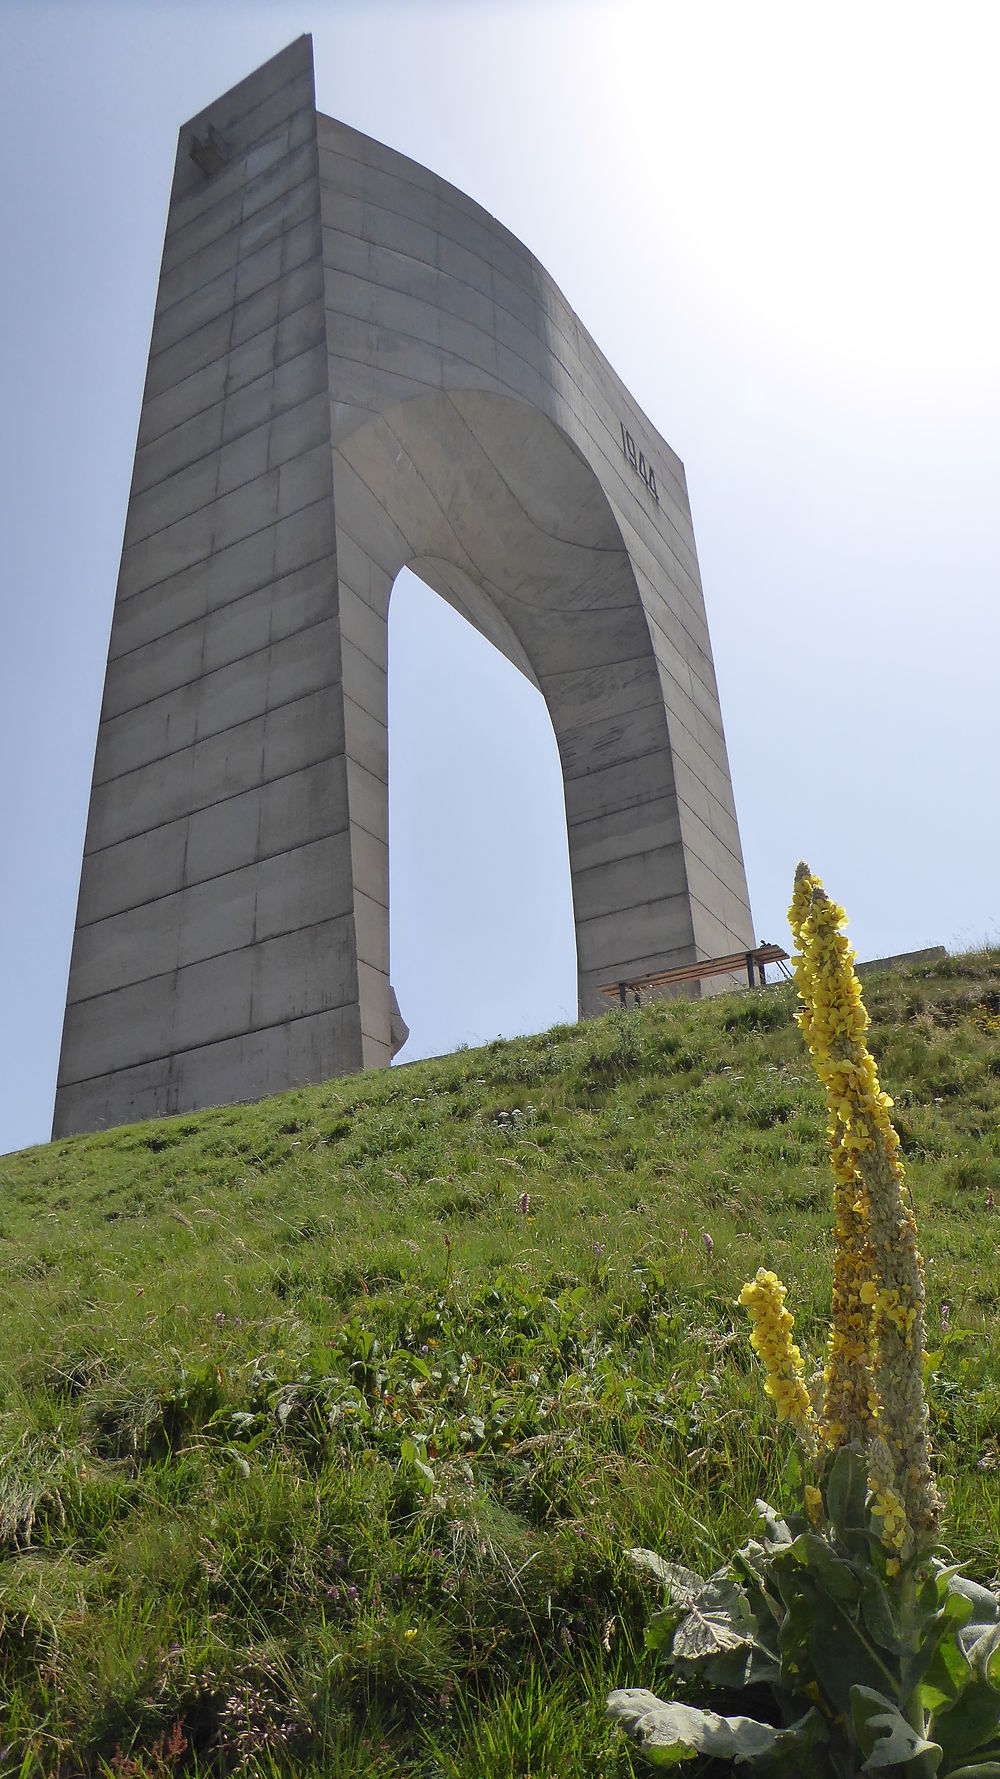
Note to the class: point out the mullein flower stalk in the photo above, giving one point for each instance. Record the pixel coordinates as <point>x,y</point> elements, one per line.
<point>771,1339</point>
<point>849,1400</point>
<point>874,1391</point>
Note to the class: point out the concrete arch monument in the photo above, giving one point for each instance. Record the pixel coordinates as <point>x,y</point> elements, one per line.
<point>353,368</point>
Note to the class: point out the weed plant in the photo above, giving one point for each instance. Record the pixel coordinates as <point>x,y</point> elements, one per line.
<point>326,1423</point>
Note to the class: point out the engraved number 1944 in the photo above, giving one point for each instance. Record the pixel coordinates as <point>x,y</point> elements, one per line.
<point>638,461</point>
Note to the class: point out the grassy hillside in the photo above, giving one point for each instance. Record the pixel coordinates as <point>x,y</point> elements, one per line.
<point>325,1423</point>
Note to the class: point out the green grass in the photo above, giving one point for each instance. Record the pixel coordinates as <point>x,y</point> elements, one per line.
<point>321,1444</point>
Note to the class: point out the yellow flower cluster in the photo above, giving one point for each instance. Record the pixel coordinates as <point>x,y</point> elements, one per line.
<point>834,1021</point>
<point>771,1339</point>
<point>873,1380</point>
<point>889,1305</point>
<point>889,1508</point>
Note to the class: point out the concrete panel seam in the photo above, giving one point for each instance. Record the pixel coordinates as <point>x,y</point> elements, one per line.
<point>230,729</point>
<point>259,858</point>
<point>467,211</point>
<point>713,913</point>
<point>165,389</point>
<point>445,275</point>
<point>261,430</point>
<point>210,957</point>
<point>230,272</point>
<point>236,661</point>
<point>252,1031</point>
<point>189,292</point>
<point>695,854</point>
<point>553,678</point>
<point>270,524</point>
<point>325,555</point>
<point>579,775</point>
<point>220,401</point>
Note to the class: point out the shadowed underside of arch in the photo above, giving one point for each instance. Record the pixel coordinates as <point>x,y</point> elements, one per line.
<point>354,368</point>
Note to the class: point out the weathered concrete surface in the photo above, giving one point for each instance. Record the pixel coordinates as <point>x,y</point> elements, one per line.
<point>354,368</point>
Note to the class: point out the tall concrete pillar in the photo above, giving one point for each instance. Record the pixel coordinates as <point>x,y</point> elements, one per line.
<point>353,368</point>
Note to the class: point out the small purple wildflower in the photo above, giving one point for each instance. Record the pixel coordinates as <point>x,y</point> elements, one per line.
<point>525,1203</point>
<point>709,1244</point>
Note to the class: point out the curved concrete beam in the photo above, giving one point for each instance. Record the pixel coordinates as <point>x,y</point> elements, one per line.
<point>354,368</point>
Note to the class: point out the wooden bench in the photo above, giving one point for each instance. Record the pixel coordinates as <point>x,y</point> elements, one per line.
<point>710,966</point>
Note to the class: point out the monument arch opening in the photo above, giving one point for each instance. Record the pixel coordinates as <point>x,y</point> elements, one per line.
<point>492,505</point>
<point>480,906</point>
<point>353,368</point>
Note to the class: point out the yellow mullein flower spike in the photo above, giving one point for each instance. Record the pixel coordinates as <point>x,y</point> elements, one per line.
<point>764,1298</point>
<point>873,1378</point>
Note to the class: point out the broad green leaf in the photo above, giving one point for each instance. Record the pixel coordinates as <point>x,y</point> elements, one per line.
<point>876,1610</point>
<point>946,1675</point>
<point>836,1577</point>
<point>971,1722</point>
<point>718,1622</point>
<point>884,1736</point>
<point>683,1583</point>
<point>985,1603</point>
<point>820,1640</point>
<point>793,1638</point>
<point>980,1769</point>
<point>942,1628</point>
<point>661,1627</point>
<point>731,1669</point>
<point>934,1590</point>
<point>668,1733</point>
<point>958,1609</point>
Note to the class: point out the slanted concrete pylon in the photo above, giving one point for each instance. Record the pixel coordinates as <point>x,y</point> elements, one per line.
<point>354,368</point>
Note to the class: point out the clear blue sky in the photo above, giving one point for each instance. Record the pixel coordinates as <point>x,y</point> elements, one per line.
<point>779,223</point>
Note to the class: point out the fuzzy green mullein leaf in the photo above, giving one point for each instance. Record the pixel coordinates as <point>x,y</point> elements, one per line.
<point>886,1739</point>
<point>669,1733</point>
<point>682,1584</point>
<point>718,1621</point>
